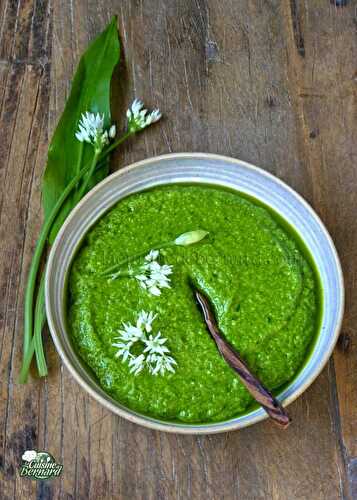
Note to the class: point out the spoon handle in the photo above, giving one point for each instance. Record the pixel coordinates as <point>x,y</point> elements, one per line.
<point>260,393</point>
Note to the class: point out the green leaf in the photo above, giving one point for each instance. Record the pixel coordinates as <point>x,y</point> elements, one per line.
<point>90,92</point>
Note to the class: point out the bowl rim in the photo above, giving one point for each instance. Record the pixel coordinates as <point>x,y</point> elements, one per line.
<point>167,426</point>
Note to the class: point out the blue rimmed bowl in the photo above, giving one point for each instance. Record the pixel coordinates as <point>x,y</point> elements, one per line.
<point>203,169</point>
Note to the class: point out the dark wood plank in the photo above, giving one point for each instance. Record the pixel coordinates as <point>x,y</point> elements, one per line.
<point>25,31</point>
<point>272,83</point>
<point>24,97</point>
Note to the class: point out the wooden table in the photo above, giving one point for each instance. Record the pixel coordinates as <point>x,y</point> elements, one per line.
<point>272,82</point>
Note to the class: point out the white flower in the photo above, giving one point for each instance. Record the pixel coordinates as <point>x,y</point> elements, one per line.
<point>159,364</point>
<point>91,130</point>
<point>145,320</point>
<point>153,117</point>
<point>152,255</point>
<point>155,345</point>
<point>128,336</point>
<point>136,106</point>
<point>90,127</point>
<point>139,117</point>
<point>124,349</point>
<point>153,276</point>
<point>155,352</point>
<point>130,333</point>
<point>191,237</point>
<point>29,455</point>
<point>136,364</point>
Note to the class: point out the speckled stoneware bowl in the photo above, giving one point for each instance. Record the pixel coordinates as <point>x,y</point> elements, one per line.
<point>219,171</point>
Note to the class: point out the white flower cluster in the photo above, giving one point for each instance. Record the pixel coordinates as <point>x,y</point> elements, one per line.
<point>139,117</point>
<point>152,275</point>
<point>155,354</point>
<point>91,125</point>
<point>91,130</point>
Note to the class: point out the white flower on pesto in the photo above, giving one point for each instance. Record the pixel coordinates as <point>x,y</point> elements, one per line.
<point>136,364</point>
<point>130,332</point>
<point>145,320</point>
<point>190,237</point>
<point>123,349</point>
<point>152,255</point>
<point>128,336</point>
<point>153,276</point>
<point>155,345</point>
<point>91,130</point>
<point>155,354</point>
<point>139,117</point>
<point>159,364</point>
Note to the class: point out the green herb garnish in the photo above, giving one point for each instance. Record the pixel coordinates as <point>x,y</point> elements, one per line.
<point>78,158</point>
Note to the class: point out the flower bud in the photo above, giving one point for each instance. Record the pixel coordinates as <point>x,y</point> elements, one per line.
<point>112,131</point>
<point>190,238</point>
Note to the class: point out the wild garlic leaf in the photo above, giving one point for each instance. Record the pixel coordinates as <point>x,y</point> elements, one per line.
<point>90,92</point>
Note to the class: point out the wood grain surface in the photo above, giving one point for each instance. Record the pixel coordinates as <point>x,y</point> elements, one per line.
<point>272,82</point>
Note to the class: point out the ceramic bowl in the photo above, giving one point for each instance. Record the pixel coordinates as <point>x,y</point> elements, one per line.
<point>202,169</point>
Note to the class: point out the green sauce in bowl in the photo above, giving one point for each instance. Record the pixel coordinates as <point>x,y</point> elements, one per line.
<point>257,273</point>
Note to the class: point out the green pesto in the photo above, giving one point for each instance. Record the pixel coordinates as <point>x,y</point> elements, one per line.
<point>260,280</point>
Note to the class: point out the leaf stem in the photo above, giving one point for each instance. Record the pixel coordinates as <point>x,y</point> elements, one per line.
<point>26,362</point>
<point>80,156</point>
<point>40,318</point>
<point>36,345</point>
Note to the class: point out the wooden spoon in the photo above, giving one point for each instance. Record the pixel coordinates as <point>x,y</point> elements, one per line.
<point>260,393</point>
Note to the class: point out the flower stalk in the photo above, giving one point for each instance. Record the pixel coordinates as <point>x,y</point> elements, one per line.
<point>185,239</point>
